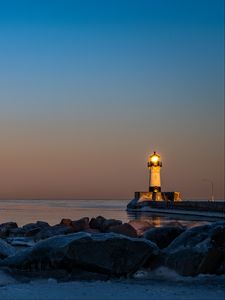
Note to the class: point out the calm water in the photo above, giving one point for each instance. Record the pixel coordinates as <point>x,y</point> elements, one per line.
<point>52,211</point>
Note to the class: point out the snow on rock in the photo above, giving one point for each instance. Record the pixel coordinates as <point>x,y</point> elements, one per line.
<point>21,241</point>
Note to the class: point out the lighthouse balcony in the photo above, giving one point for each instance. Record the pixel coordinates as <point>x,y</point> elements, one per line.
<point>154,164</point>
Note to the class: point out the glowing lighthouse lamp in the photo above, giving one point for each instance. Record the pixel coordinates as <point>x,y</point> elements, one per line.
<point>154,166</point>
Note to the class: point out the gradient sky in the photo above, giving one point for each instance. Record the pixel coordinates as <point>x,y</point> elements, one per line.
<point>89,88</point>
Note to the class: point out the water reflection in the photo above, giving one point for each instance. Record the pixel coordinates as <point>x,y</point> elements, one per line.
<point>158,220</point>
<point>52,211</point>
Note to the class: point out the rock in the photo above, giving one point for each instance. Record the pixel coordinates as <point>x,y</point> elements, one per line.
<point>32,229</point>
<point>50,231</point>
<point>38,224</point>
<point>185,262</point>
<point>21,241</point>
<point>42,224</point>
<point>92,230</point>
<point>125,229</point>
<point>176,224</point>
<point>107,253</point>
<point>221,269</point>
<point>6,249</point>
<point>80,225</point>
<point>66,222</point>
<point>32,232</point>
<point>16,232</point>
<point>96,223</point>
<point>4,233</point>
<point>215,254</point>
<point>6,227</point>
<point>77,225</point>
<point>190,238</point>
<point>198,250</point>
<point>162,236</point>
<point>196,224</point>
<point>103,224</point>
<point>109,223</point>
<point>6,279</point>
<point>140,226</point>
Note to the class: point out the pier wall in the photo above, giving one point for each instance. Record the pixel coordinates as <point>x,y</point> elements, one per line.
<point>208,206</point>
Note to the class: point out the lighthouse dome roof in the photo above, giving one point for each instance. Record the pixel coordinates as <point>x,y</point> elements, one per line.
<point>155,154</point>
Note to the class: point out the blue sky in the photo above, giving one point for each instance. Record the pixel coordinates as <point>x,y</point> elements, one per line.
<point>120,78</point>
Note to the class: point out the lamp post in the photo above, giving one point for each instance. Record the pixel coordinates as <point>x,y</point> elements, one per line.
<point>212,188</point>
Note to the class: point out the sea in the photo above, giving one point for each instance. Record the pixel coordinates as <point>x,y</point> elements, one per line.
<point>52,211</point>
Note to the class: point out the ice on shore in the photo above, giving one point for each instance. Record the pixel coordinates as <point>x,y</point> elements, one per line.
<point>148,286</point>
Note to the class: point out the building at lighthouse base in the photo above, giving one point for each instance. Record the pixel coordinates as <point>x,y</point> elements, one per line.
<point>152,198</point>
<point>157,196</point>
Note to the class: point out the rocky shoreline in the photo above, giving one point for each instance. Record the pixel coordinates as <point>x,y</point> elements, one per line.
<point>100,248</point>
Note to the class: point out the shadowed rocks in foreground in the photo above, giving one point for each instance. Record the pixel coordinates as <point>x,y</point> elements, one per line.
<point>107,253</point>
<point>198,250</point>
<point>163,236</point>
<point>112,248</point>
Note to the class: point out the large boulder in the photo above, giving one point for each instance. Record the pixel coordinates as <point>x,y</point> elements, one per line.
<point>177,224</point>
<point>109,223</point>
<point>102,224</point>
<point>97,223</point>
<point>38,224</point>
<point>163,236</point>
<point>198,250</point>
<point>6,227</point>
<point>80,225</point>
<point>6,249</point>
<point>51,231</point>
<point>6,279</point>
<point>221,269</point>
<point>16,232</point>
<point>107,253</point>
<point>32,229</point>
<point>140,226</point>
<point>125,229</point>
<point>77,225</point>
<point>66,222</point>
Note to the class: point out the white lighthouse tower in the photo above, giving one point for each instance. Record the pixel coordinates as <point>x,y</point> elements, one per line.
<point>154,166</point>
<point>154,193</point>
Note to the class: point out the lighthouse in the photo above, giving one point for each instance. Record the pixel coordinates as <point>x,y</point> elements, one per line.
<point>154,197</point>
<point>154,166</point>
